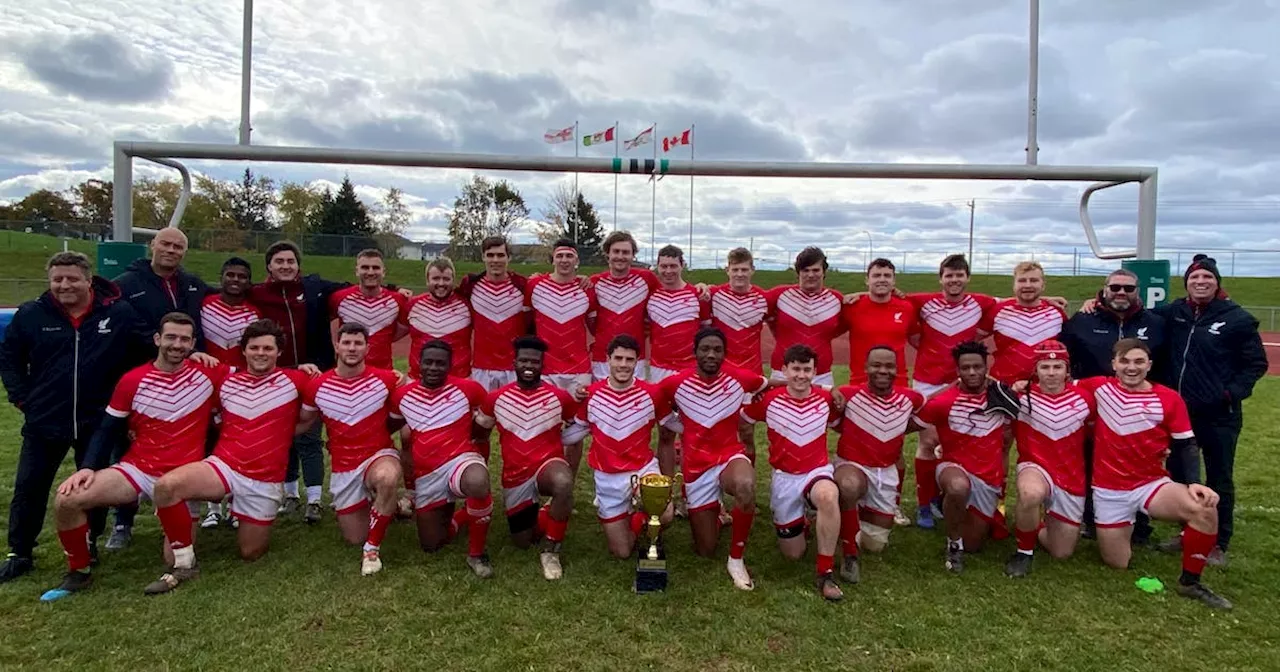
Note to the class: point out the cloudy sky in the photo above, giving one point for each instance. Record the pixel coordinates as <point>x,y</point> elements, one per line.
<point>1189,86</point>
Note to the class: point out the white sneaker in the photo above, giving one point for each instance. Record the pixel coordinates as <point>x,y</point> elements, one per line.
<point>212,517</point>
<point>741,577</point>
<point>370,563</point>
<point>551,569</point>
<point>899,519</point>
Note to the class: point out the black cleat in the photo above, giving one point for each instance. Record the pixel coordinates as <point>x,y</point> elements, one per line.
<point>849,570</point>
<point>15,566</point>
<point>1019,566</point>
<point>72,582</point>
<point>955,559</point>
<point>1198,591</point>
<point>828,588</point>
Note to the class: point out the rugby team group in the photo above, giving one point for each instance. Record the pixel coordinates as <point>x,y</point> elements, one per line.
<point>166,388</point>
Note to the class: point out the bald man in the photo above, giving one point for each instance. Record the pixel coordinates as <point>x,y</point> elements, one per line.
<point>155,287</point>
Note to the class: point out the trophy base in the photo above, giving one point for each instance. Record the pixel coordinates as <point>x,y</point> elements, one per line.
<point>651,575</point>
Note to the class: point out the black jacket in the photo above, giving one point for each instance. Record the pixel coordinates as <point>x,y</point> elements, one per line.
<point>1089,338</point>
<point>1214,356</point>
<point>62,377</point>
<point>146,292</point>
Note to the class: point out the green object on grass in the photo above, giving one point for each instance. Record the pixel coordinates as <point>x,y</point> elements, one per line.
<point>1149,584</point>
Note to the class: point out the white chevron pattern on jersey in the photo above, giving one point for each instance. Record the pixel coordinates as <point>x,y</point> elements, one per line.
<point>668,308</point>
<point>799,421</point>
<point>223,328</point>
<point>527,416</point>
<point>425,411</point>
<point>250,398</point>
<point>375,314</point>
<point>1030,327</point>
<point>708,403</point>
<point>497,302</point>
<point>350,401</point>
<point>809,310</point>
<point>620,296</point>
<point>951,319</point>
<point>1128,413</point>
<point>883,419</point>
<point>435,319</point>
<point>171,398</point>
<point>560,303</point>
<point>1055,417</point>
<point>967,417</point>
<point>739,311</point>
<point>618,415</point>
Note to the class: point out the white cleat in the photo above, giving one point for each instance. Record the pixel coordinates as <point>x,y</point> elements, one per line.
<point>741,577</point>
<point>370,563</point>
<point>551,569</point>
<point>900,520</point>
<point>212,518</point>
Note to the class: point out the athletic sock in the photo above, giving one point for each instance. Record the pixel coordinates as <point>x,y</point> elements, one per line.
<point>175,519</point>
<point>555,528</point>
<point>378,524</point>
<point>1196,547</point>
<point>638,521</point>
<point>826,563</point>
<point>1026,540</point>
<point>291,489</point>
<point>849,527</point>
<point>314,494</point>
<point>742,520</point>
<point>75,543</point>
<point>544,515</point>
<point>926,481</point>
<point>480,511</point>
<point>459,520</point>
<point>902,476</point>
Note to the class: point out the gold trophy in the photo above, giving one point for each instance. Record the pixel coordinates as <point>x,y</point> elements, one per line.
<point>652,494</point>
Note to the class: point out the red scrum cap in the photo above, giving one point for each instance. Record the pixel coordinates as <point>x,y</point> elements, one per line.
<point>1052,349</point>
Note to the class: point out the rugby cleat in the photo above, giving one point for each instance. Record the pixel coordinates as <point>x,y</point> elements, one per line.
<point>738,572</point>
<point>370,562</point>
<point>72,582</point>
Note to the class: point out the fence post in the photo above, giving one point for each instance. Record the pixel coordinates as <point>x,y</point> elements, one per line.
<point>1233,264</point>
<point>1179,260</point>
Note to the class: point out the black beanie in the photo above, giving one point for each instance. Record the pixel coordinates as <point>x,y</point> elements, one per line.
<point>1203,262</point>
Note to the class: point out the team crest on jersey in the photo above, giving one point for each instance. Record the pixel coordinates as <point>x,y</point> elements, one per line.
<point>951,319</point>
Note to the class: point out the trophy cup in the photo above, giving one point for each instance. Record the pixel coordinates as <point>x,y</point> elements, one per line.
<point>653,493</point>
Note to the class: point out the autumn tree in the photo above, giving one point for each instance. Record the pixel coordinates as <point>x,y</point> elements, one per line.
<point>483,209</point>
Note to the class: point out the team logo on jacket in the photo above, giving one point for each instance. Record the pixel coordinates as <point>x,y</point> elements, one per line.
<point>1213,328</point>
<point>102,325</point>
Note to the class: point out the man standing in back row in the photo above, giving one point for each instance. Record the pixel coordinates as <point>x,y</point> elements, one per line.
<point>623,293</point>
<point>807,313</point>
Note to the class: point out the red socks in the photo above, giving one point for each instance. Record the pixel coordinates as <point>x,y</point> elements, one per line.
<point>1196,546</point>
<point>480,511</point>
<point>543,516</point>
<point>1026,539</point>
<point>741,530</point>
<point>1000,527</point>
<point>75,542</point>
<point>926,481</point>
<point>826,563</point>
<point>638,521</point>
<point>555,528</point>
<point>176,521</point>
<point>849,526</point>
<point>378,524</point>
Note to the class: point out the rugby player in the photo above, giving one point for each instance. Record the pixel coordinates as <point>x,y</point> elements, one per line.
<point>1138,424</point>
<point>675,312</point>
<point>372,304</point>
<point>166,406</point>
<point>713,461</point>
<point>1020,324</point>
<point>796,419</point>
<point>530,414</point>
<point>807,313</point>
<point>441,313</point>
<point>354,401</point>
<point>439,412</point>
<point>261,412</point>
<point>498,311</point>
<point>622,292</point>
<point>739,309</point>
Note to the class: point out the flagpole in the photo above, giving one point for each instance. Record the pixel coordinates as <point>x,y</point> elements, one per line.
<point>693,139</point>
<point>617,133</point>
<point>573,206</point>
<point>653,203</point>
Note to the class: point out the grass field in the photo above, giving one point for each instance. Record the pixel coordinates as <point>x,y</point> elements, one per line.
<point>305,606</point>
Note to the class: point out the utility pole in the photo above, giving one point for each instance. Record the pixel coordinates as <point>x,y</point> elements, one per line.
<point>971,207</point>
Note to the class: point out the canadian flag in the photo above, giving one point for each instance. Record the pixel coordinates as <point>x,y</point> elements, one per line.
<point>558,136</point>
<point>670,143</point>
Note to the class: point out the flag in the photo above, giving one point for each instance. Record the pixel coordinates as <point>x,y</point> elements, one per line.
<point>598,138</point>
<point>674,141</point>
<point>555,137</point>
<point>644,138</point>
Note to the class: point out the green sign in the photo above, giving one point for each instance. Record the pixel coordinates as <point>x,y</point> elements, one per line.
<point>1153,280</point>
<point>114,256</point>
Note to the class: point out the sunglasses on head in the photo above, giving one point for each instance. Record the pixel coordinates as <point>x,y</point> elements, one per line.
<point>1116,289</point>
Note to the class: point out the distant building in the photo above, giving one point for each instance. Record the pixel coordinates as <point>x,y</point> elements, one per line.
<point>429,251</point>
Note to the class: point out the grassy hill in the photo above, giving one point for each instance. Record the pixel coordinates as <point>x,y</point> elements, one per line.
<point>23,255</point>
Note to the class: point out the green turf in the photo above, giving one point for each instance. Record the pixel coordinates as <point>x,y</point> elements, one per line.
<point>304,606</point>
<point>22,258</point>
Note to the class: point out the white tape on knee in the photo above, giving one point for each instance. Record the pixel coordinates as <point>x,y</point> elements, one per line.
<point>872,538</point>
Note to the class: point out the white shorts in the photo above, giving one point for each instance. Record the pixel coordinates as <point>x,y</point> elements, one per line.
<point>983,497</point>
<point>1117,508</point>
<point>444,485</point>
<point>705,492</point>
<point>347,488</point>
<point>614,492</point>
<point>789,492</point>
<point>1060,504</point>
<point>928,389</point>
<point>145,484</point>
<point>567,381</point>
<point>252,501</point>
<point>600,370</point>
<point>492,379</point>
<point>826,380</point>
<point>526,494</point>
<point>658,374</point>
<point>882,487</point>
